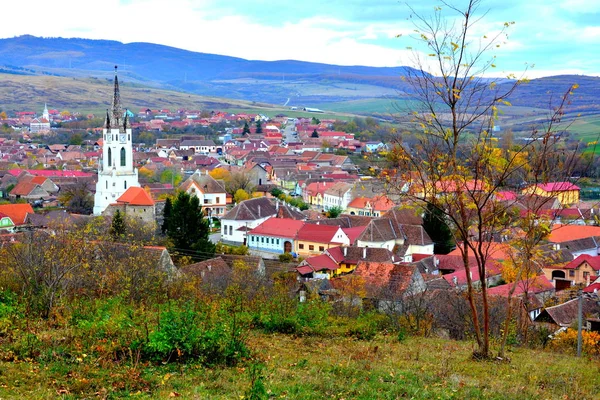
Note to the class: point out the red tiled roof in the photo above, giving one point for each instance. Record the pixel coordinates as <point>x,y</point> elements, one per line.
<point>565,233</point>
<point>593,261</point>
<point>278,227</point>
<point>538,284</point>
<point>318,233</point>
<point>593,287</point>
<point>16,212</point>
<point>557,186</point>
<point>493,269</point>
<point>320,263</point>
<point>50,173</point>
<point>354,232</point>
<point>136,196</point>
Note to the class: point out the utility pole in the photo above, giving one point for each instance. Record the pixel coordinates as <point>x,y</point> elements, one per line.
<point>579,320</point>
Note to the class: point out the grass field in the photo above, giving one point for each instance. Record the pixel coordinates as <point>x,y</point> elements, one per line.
<point>318,368</point>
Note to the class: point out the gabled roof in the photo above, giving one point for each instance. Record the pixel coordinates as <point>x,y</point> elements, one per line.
<point>557,186</point>
<point>317,263</point>
<point>16,212</point>
<point>594,262</point>
<point>278,227</point>
<point>565,314</point>
<point>204,182</point>
<point>261,207</point>
<point>353,254</point>
<point>136,196</point>
<point>319,233</point>
<point>386,278</point>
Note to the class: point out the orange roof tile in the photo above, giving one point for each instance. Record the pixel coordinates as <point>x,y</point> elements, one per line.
<point>136,196</point>
<point>565,233</point>
<point>16,212</point>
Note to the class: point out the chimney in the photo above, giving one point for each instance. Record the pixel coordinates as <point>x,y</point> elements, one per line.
<point>455,280</point>
<point>276,205</point>
<point>345,251</point>
<point>364,252</point>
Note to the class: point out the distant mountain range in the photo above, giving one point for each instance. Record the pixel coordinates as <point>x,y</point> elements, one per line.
<point>288,82</point>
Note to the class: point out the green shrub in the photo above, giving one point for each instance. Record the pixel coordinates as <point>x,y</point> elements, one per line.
<point>367,325</point>
<point>185,333</point>
<point>286,258</point>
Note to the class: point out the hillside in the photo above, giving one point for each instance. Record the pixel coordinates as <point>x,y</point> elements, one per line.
<point>306,368</point>
<point>29,92</point>
<point>282,82</point>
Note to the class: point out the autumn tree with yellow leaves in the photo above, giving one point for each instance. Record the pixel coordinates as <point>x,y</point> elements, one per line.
<point>456,166</point>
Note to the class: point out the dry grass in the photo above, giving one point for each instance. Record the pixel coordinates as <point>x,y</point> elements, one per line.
<point>320,368</point>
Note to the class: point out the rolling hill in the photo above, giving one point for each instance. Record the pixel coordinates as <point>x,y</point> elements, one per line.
<point>165,76</point>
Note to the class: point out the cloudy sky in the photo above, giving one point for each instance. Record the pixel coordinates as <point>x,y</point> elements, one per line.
<point>556,36</point>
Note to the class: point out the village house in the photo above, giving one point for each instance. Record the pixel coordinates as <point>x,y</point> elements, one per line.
<point>134,203</point>
<point>313,239</point>
<point>338,195</point>
<point>389,285</point>
<point>370,207</point>
<point>249,214</point>
<point>340,260</point>
<point>274,236</point>
<point>199,146</point>
<point>566,192</point>
<point>580,271</point>
<point>211,193</point>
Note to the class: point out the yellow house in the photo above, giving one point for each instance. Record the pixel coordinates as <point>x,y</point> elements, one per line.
<point>578,272</point>
<point>313,239</point>
<point>565,192</point>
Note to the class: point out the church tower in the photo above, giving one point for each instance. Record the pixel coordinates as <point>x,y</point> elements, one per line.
<point>115,170</point>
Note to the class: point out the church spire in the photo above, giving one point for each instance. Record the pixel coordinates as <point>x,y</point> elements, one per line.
<point>117,111</point>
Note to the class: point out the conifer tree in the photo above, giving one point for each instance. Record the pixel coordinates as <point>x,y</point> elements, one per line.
<point>259,127</point>
<point>187,227</point>
<point>315,134</point>
<point>246,129</point>
<point>117,226</point>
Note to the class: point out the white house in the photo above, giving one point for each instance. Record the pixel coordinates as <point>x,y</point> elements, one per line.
<point>211,193</point>
<point>249,214</point>
<point>338,195</point>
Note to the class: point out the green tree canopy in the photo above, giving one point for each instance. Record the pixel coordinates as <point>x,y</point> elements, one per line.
<point>187,227</point>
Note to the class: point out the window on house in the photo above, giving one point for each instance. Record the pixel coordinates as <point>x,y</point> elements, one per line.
<point>125,185</point>
<point>252,238</point>
<point>572,272</point>
<point>109,157</point>
<point>301,246</point>
<point>224,229</point>
<point>217,200</point>
<point>262,239</point>
<point>122,156</point>
<point>586,274</point>
<point>272,241</point>
<point>311,247</point>
<point>277,241</point>
<point>321,248</point>
<point>230,230</point>
<point>205,201</point>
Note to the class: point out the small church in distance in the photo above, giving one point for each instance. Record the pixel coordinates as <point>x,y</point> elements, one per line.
<point>116,173</point>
